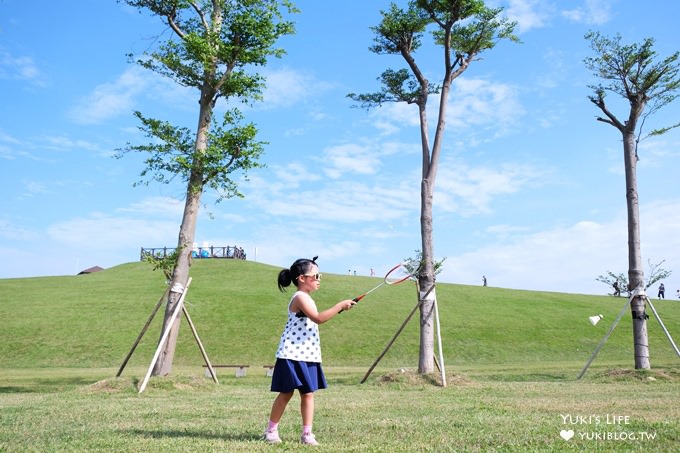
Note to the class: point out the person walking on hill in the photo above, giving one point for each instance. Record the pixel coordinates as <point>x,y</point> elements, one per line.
<point>662,292</point>
<point>298,357</point>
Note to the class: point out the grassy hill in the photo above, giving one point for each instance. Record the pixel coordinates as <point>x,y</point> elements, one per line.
<point>511,356</point>
<point>93,320</point>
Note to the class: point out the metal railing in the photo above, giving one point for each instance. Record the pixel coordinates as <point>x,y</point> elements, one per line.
<point>229,252</point>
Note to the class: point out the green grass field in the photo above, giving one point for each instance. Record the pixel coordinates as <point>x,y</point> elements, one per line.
<point>511,358</point>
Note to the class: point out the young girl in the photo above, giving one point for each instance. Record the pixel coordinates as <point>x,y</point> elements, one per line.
<point>298,358</point>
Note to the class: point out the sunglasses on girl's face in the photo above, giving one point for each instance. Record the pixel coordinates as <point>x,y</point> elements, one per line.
<point>316,276</point>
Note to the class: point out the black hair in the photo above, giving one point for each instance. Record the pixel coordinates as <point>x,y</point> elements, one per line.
<point>299,267</point>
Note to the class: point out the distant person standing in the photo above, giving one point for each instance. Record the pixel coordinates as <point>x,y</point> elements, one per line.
<point>662,292</point>
<point>484,280</point>
<point>617,288</point>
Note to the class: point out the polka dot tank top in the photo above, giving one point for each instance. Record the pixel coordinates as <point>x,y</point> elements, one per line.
<point>300,338</point>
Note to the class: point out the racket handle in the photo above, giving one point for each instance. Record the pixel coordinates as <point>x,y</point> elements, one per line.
<point>357,299</point>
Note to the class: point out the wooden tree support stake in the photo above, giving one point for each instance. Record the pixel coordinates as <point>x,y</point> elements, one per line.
<point>396,335</point>
<point>611,329</point>
<point>166,333</point>
<point>141,334</point>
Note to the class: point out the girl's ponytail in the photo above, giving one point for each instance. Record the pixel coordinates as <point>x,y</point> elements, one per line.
<point>284,279</point>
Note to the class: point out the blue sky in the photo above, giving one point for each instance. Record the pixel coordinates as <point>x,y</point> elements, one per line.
<point>530,191</point>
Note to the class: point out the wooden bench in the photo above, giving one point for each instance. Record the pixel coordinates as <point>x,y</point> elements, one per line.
<point>240,369</point>
<point>268,370</point>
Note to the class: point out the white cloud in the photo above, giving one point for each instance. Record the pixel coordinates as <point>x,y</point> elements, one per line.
<point>289,177</point>
<point>98,238</point>
<point>64,143</point>
<point>504,231</point>
<point>553,71</point>
<point>569,258</point>
<point>470,190</point>
<point>533,14</point>
<point>6,138</point>
<point>36,149</point>
<point>286,87</point>
<point>345,202</point>
<point>386,127</point>
<point>394,116</point>
<point>33,188</point>
<point>12,148</point>
<point>109,232</point>
<point>133,87</point>
<point>16,233</point>
<point>478,102</point>
<point>109,100</point>
<point>477,106</point>
<point>350,158</point>
<point>280,246</point>
<point>298,191</point>
<point>19,68</point>
<point>528,14</point>
<point>593,12</point>
<point>156,207</point>
<point>656,152</point>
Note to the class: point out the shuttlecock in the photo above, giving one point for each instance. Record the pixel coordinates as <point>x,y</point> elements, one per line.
<point>595,319</point>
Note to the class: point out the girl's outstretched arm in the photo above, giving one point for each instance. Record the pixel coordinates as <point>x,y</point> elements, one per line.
<point>302,302</point>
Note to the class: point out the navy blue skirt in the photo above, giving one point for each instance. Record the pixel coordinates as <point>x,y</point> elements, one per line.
<point>290,375</point>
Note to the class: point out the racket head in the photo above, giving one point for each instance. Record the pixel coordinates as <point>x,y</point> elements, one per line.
<point>397,274</point>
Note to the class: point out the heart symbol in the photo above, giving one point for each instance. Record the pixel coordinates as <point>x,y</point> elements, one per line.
<point>566,435</point>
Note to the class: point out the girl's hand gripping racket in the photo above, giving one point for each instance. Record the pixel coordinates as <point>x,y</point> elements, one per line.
<point>394,276</point>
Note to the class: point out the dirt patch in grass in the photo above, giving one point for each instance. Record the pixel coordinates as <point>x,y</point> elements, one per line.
<point>127,385</point>
<point>113,385</point>
<point>413,378</point>
<point>625,374</point>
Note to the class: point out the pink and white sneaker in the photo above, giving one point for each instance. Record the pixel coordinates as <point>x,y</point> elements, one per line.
<point>308,439</point>
<point>272,437</point>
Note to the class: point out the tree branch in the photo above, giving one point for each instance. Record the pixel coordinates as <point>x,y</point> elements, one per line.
<point>611,118</point>
<point>200,13</point>
<point>422,80</point>
<point>171,22</point>
<point>211,175</point>
<point>223,78</point>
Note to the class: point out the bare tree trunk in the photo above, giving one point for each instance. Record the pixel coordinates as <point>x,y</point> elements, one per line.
<point>635,272</point>
<point>426,356</point>
<point>187,233</point>
<point>425,282</point>
<point>180,276</point>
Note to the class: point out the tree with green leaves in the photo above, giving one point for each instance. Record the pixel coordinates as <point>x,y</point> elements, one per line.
<point>463,29</point>
<point>619,282</point>
<point>214,47</point>
<point>647,83</point>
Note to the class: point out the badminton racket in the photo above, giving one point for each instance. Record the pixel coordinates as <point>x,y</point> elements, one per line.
<point>398,274</point>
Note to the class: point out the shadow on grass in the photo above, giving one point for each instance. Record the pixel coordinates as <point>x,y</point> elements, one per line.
<point>17,389</point>
<point>530,377</point>
<point>160,434</point>
<point>46,385</point>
